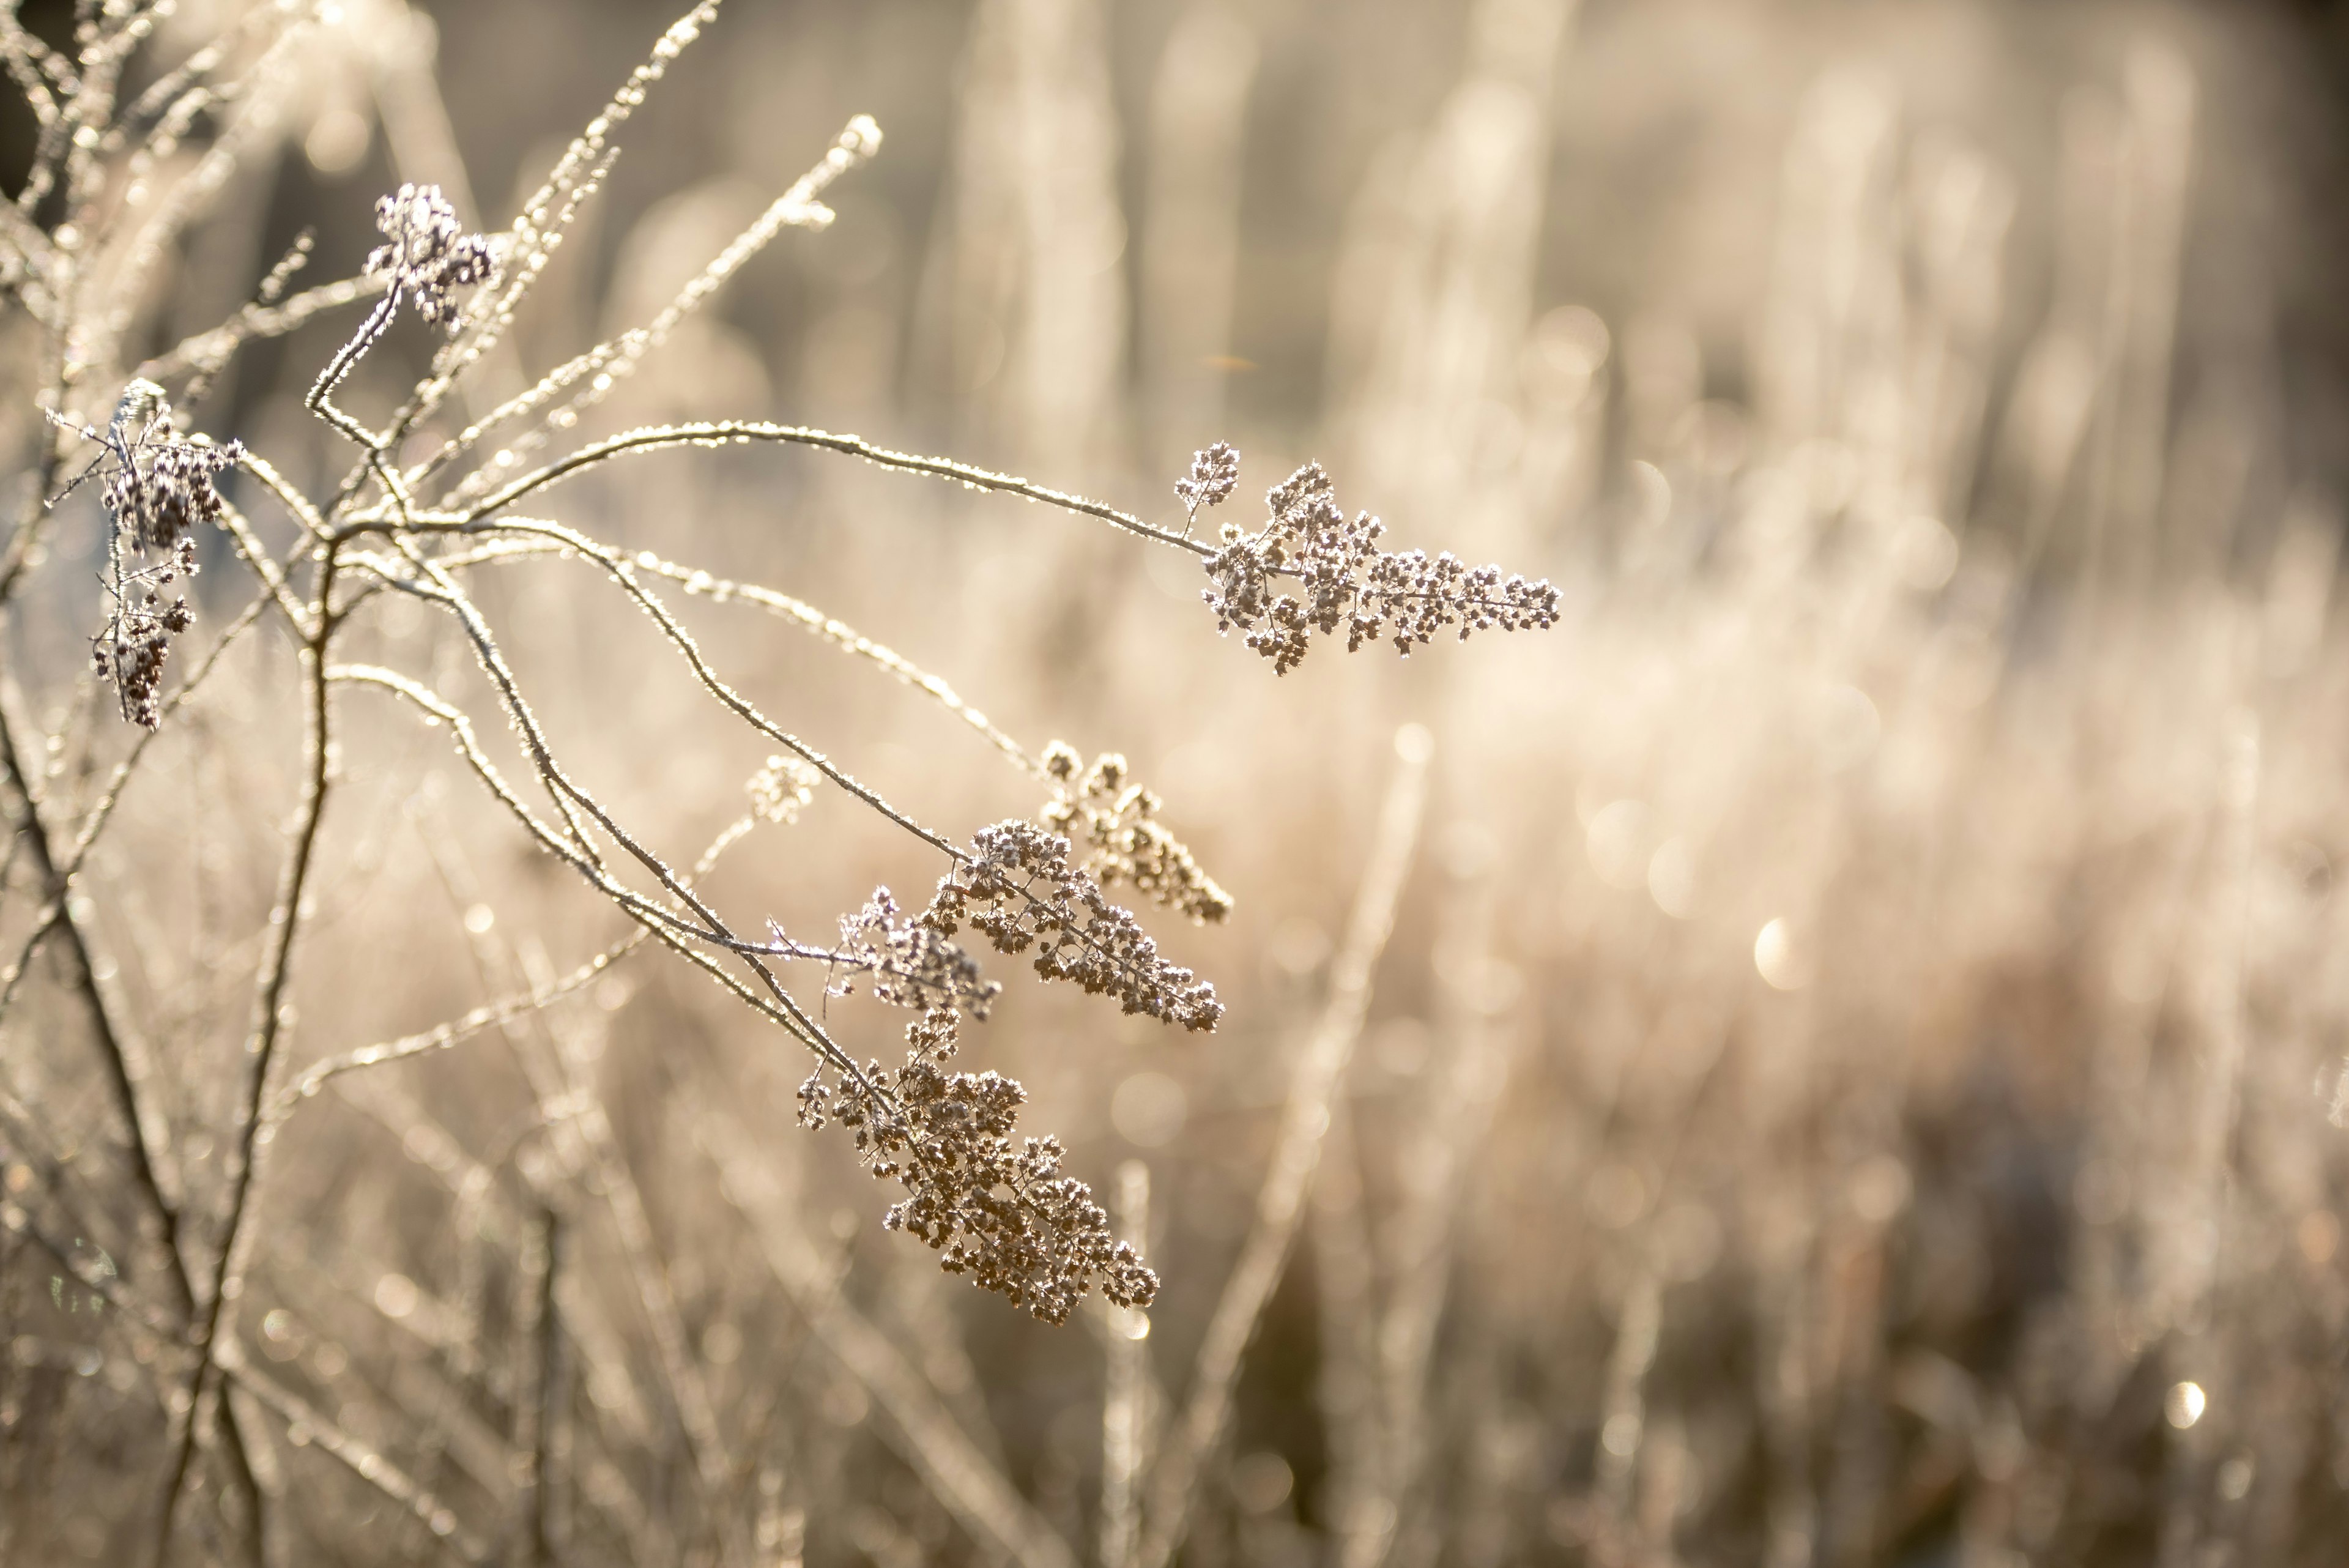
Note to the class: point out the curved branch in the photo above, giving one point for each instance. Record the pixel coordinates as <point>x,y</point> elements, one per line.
<point>727,432</point>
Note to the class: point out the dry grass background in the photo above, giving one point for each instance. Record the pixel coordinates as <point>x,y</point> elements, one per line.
<point>1856,1074</point>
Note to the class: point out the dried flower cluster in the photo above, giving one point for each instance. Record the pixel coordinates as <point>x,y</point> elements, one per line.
<point>1117,821</point>
<point>159,484</point>
<point>429,256</point>
<point>1343,578</point>
<point>130,652</point>
<point>910,961</point>
<point>1213,474</point>
<point>783,789</point>
<point>424,500</point>
<point>1019,889</point>
<point>1004,1215</point>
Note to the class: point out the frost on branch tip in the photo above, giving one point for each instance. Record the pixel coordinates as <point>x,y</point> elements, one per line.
<point>1117,821</point>
<point>158,485</point>
<point>1342,580</point>
<point>429,255</point>
<point>1001,1214</point>
<point>1019,889</point>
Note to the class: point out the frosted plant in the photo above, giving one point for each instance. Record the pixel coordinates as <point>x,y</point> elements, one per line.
<point>1343,579</point>
<point>1117,823</point>
<point>429,504</point>
<point>428,257</point>
<point>1017,887</point>
<point>1214,473</point>
<point>159,486</point>
<point>1001,1213</point>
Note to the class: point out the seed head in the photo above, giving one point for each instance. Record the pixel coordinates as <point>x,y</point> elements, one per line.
<point>157,485</point>
<point>1116,821</point>
<point>1004,1215</point>
<point>1019,888</point>
<point>1343,578</point>
<point>909,963</point>
<point>429,255</point>
<point>1212,475</point>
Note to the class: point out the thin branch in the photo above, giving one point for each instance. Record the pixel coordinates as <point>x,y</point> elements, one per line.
<point>665,925</point>
<point>725,433</point>
<point>144,1137</point>
<point>94,821</point>
<point>621,571</point>
<point>369,1466</point>
<point>719,590</point>
<point>208,350</point>
<point>269,1016</point>
<point>605,365</point>
<point>457,1030</point>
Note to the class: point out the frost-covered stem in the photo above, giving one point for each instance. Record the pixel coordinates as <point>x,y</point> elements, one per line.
<point>56,889</point>
<point>727,432</point>
<point>260,1043</point>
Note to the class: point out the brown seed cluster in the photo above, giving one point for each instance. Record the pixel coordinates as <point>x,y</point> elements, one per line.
<point>429,255</point>
<point>1213,474</point>
<point>1116,821</point>
<point>162,485</point>
<point>1002,1214</point>
<point>1020,889</point>
<point>909,963</point>
<point>158,485</point>
<point>130,652</point>
<point>1343,579</point>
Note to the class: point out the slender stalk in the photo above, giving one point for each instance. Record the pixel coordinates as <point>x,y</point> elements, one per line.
<point>535,1412</point>
<point>1125,1401</point>
<point>1305,1120</point>
<point>727,432</point>
<point>262,1041</point>
<point>95,820</point>
<point>81,977</point>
